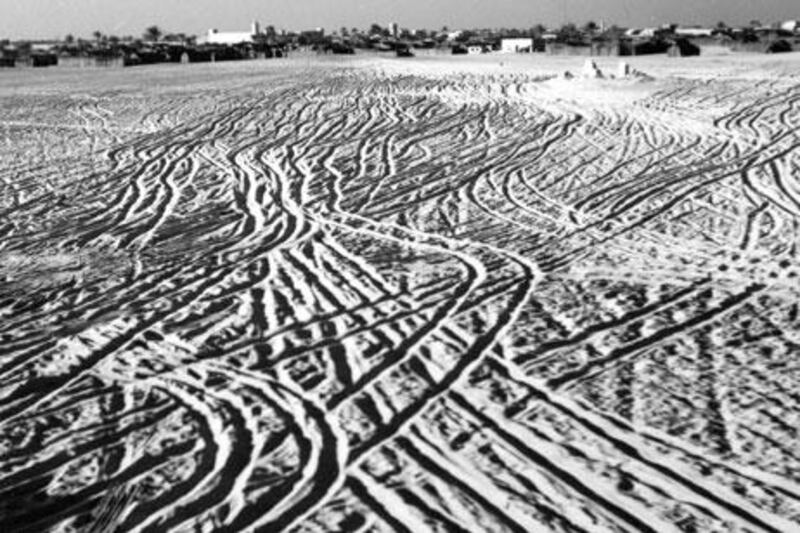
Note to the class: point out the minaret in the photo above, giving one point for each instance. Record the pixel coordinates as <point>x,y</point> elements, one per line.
<point>255,28</point>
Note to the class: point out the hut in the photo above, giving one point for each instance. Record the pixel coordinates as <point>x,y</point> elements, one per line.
<point>8,56</point>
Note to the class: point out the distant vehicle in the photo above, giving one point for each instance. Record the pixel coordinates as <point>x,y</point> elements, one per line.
<point>404,52</point>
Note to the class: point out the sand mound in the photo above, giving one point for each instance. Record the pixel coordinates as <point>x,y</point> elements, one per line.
<point>625,71</point>
<point>590,70</point>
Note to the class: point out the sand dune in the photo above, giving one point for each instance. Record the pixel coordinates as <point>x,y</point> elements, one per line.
<point>376,295</point>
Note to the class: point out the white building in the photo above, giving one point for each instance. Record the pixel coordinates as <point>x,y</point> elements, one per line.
<point>694,32</point>
<point>791,25</point>
<point>513,46</point>
<point>42,47</point>
<point>232,37</point>
<point>642,32</point>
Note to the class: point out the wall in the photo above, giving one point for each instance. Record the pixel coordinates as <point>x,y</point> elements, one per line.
<point>595,49</point>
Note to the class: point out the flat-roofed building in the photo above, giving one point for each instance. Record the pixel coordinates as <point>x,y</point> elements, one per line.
<point>215,36</point>
<point>516,45</point>
<point>791,25</point>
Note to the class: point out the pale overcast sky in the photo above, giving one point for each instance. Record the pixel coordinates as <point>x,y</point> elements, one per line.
<point>55,18</point>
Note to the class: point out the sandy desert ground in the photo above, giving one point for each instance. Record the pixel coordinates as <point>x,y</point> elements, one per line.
<point>401,295</point>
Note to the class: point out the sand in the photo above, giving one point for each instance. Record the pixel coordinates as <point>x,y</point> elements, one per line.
<point>379,294</point>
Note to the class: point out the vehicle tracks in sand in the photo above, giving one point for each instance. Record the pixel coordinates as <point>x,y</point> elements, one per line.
<point>348,299</point>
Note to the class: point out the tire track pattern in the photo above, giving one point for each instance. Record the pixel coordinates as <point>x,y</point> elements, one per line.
<point>345,299</point>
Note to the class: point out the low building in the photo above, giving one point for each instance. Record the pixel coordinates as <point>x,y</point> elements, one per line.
<point>695,32</point>
<point>593,49</point>
<point>516,45</point>
<point>476,49</point>
<point>92,61</point>
<point>229,38</point>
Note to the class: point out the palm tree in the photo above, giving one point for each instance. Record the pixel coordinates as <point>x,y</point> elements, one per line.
<point>153,33</point>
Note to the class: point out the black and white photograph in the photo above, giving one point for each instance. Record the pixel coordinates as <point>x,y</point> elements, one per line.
<point>431,266</point>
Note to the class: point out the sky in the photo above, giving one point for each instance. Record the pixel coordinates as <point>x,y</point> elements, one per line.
<point>21,19</point>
